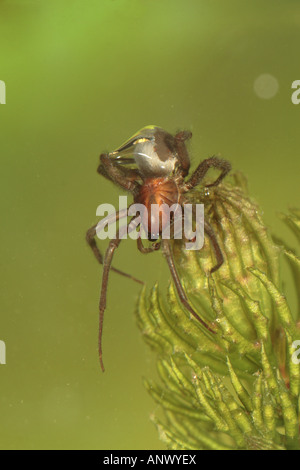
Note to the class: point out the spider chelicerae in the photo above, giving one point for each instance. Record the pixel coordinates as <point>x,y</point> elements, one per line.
<point>153,166</point>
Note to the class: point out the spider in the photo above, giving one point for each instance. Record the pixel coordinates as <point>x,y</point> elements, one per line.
<point>153,166</point>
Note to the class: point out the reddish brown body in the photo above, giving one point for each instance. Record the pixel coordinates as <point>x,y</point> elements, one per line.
<point>159,191</point>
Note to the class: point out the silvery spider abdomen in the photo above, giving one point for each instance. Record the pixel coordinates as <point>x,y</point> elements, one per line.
<point>152,152</point>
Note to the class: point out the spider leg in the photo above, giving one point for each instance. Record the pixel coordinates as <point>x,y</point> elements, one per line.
<point>169,257</point>
<point>113,244</point>
<point>211,234</point>
<point>91,239</point>
<point>102,305</point>
<point>182,152</point>
<point>130,174</point>
<point>202,169</point>
<point>154,247</point>
<point>219,255</point>
<point>124,177</point>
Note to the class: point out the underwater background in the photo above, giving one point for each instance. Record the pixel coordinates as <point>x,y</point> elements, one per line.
<point>81,78</point>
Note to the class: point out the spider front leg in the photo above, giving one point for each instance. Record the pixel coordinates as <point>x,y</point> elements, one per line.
<point>182,296</point>
<point>102,304</point>
<point>200,172</point>
<point>124,177</point>
<point>91,239</point>
<point>113,244</point>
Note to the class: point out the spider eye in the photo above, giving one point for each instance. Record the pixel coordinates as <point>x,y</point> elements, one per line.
<point>151,150</point>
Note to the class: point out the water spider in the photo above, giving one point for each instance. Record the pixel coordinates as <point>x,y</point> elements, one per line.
<point>153,166</point>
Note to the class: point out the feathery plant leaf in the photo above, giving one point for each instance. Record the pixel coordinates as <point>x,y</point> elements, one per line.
<point>239,388</point>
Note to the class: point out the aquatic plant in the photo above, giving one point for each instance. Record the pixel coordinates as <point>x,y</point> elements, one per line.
<point>238,388</point>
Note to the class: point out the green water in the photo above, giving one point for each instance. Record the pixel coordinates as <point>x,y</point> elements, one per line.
<point>81,77</point>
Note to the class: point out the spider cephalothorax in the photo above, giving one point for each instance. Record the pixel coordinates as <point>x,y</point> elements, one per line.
<point>153,165</point>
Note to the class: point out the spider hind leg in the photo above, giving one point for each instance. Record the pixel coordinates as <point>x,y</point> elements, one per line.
<point>218,252</point>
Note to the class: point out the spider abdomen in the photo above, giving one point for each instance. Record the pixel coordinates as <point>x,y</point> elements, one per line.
<point>157,193</point>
